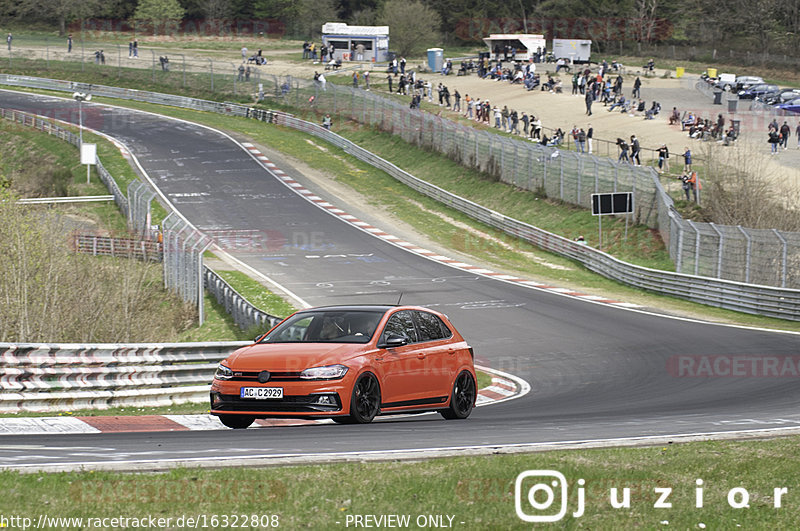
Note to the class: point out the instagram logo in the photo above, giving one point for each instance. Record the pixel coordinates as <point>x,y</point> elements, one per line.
<point>549,489</point>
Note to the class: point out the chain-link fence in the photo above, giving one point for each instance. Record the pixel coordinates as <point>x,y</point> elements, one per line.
<point>184,246</point>
<point>163,67</point>
<point>568,176</point>
<point>724,252</point>
<point>704,54</point>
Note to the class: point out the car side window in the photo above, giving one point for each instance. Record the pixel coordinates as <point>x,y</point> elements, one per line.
<point>401,324</point>
<point>431,327</point>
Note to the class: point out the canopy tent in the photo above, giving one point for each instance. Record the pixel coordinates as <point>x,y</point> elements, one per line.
<point>526,44</point>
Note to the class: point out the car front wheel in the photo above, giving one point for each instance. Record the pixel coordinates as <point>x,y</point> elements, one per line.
<point>366,400</point>
<point>236,422</point>
<point>462,400</point>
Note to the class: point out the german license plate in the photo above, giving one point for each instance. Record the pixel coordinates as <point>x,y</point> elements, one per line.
<point>261,393</point>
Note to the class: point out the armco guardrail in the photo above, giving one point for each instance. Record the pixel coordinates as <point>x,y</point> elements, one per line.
<point>58,377</point>
<point>763,300</point>
<point>244,314</point>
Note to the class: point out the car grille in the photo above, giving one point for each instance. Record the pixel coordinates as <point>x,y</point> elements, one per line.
<point>288,404</point>
<point>252,376</point>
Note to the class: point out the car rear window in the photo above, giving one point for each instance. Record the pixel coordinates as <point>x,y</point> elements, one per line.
<point>431,327</point>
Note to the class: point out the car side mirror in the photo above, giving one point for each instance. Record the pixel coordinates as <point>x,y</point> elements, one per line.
<point>394,340</point>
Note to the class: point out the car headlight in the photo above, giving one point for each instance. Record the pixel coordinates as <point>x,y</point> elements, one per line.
<point>331,372</point>
<point>223,373</point>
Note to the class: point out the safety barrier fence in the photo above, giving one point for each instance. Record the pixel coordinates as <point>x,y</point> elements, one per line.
<point>746,255</point>
<point>59,377</point>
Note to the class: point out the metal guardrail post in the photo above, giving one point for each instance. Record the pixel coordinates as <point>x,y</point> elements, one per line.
<point>784,256</point>
<point>747,253</point>
<point>719,249</point>
<point>696,247</point>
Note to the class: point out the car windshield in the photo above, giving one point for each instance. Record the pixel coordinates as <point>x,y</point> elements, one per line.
<point>326,326</point>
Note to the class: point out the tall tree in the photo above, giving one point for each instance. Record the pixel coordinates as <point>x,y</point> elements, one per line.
<point>412,25</point>
<point>158,12</point>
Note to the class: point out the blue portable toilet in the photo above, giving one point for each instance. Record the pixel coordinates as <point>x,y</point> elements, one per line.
<point>435,59</point>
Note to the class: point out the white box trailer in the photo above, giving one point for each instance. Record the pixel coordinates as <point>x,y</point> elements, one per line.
<point>576,50</point>
<point>525,44</point>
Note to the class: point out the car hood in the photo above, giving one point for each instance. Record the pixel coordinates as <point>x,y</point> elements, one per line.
<point>292,356</point>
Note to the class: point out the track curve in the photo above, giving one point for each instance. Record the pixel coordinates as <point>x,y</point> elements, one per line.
<point>595,371</point>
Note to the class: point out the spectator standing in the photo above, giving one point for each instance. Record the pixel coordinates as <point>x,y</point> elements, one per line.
<point>505,115</point>
<point>694,182</point>
<point>498,115</point>
<point>305,50</point>
<point>240,77</point>
<point>581,142</point>
<point>525,122</point>
<point>774,139</point>
<point>589,97</point>
<point>687,159</point>
<point>514,123</point>
<point>686,185</point>
<point>244,54</point>
<point>786,131</point>
<point>355,79</point>
<point>635,148</point>
<point>402,65</point>
<point>589,136</point>
<point>457,101</point>
<point>623,150</point>
<point>637,86</point>
<point>130,49</point>
<point>326,121</point>
<point>663,158</point>
<point>8,40</point>
<point>69,43</point>
<point>366,79</point>
<point>136,48</point>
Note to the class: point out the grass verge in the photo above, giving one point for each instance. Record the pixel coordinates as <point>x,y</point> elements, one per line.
<point>470,492</point>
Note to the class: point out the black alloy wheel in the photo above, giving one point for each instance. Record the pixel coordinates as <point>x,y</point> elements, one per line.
<point>366,400</point>
<point>463,398</point>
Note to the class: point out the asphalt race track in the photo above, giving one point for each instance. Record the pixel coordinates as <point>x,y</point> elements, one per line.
<point>595,371</point>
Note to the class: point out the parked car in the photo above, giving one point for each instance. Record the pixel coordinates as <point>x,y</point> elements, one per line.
<point>790,106</point>
<point>770,98</point>
<point>757,90</point>
<point>726,82</point>
<point>348,363</point>
<point>744,82</point>
<point>788,95</point>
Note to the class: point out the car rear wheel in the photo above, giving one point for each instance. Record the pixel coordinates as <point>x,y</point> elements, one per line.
<point>236,422</point>
<point>366,400</point>
<point>462,399</point>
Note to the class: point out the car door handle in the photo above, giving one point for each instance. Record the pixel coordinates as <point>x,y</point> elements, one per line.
<point>421,355</point>
<point>451,351</point>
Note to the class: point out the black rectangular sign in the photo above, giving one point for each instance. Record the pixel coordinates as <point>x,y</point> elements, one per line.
<point>613,203</point>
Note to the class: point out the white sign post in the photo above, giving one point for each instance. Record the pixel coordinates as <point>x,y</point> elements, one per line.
<point>88,157</point>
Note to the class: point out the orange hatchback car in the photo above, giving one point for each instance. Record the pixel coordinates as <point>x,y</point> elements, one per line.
<point>348,363</point>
